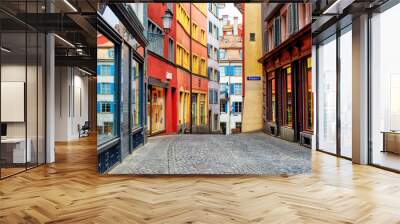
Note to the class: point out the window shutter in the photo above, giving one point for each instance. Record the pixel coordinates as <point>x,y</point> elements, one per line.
<point>112,70</point>
<point>98,107</point>
<point>296,17</point>
<point>232,90</point>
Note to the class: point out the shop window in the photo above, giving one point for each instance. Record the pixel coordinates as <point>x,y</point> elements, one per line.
<point>309,95</point>
<point>202,108</point>
<point>271,114</point>
<point>288,110</point>
<point>135,94</point>
<point>157,109</point>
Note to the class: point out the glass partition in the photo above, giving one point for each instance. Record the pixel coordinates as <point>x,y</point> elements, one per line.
<point>22,60</point>
<point>327,95</point>
<point>346,93</point>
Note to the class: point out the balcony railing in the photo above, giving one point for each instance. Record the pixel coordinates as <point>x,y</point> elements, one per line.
<point>156,43</point>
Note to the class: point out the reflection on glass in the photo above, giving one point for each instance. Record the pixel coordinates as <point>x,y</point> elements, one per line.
<point>309,97</point>
<point>346,94</point>
<point>106,90</point>
<point>327,95</point>
<point>135,94</point>
<point>385,84</point>
<point>16,150</point>
<point>289,106</point>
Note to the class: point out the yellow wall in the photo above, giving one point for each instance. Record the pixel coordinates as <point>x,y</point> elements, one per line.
<point>253,100</point>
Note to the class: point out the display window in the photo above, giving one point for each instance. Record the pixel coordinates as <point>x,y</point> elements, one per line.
<point>157,110</point>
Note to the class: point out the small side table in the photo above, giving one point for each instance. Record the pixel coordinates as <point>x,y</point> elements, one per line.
<point>391,141</point>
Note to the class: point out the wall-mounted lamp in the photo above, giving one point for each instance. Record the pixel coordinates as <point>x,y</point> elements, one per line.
<point>167,20</point>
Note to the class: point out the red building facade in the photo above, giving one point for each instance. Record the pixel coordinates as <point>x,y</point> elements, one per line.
<point>288,89</point>
<point>162,115</point>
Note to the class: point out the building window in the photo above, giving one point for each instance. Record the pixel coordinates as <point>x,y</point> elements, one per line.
<point>171,50</point>
<point>277,31</point>
<point>252,37</point>
<point>105,88</point>
<point>155,37</point>
<point>210,27</point>
<point>237,89</point>
<point>223,108</point>
<point>215,96</point>
<point>105,107</point>
<point>203,37</point>
<point>194,31</point>
<point>237,107</point>
<point>222,53</point>
<point>237,70</point>
<point>293,18</point>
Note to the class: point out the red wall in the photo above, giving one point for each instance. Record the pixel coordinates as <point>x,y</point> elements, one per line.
<point>157,67</point>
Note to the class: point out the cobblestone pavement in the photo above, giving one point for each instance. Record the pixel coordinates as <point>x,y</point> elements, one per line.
<point>255,153</point>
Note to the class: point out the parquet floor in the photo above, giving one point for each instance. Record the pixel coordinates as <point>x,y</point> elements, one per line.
<point>70,191</point>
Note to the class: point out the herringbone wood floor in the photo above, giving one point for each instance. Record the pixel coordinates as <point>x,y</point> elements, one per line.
<point>70,191</point>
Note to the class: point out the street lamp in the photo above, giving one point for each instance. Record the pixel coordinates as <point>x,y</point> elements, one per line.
<point>167,20</point>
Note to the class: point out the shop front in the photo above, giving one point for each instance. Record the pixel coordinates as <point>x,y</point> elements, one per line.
<point>120,67</point>
<point>156,106</point>
<point>288,89</point>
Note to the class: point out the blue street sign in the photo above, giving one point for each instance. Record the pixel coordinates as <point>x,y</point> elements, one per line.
<point>254,78</point>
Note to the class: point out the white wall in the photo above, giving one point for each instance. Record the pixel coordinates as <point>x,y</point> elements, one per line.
<point>71,102</point>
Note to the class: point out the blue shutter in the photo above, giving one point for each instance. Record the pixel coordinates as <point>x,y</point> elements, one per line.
<point>98,106</point>
<point>112,109</point>
<point>98,69</point>
<point>232,91</point>
<point>226,107</point>
<point>99,88</point>
<point>112,87</point>
<point>233,107</point>
<point>231,70</point>
<point>112,70</point>
<point>208,50</point>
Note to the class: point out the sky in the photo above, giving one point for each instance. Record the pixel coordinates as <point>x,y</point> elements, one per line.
<point>232,11</point>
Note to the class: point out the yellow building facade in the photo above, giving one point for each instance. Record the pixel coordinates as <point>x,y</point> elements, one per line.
<point>252,119</point>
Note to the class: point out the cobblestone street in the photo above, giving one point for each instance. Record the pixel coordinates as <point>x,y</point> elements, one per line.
<point>217,154</point>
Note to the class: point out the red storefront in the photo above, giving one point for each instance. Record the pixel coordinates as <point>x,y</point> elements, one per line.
<point>161,71</point>
<point>288,90</point>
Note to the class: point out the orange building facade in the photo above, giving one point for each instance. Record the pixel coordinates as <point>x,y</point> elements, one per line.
<point>191,55</point>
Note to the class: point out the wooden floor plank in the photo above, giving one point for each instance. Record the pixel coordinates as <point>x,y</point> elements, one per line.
<point>71,191</point>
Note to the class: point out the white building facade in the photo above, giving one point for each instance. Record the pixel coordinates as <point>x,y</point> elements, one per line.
<point>214,27</point>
